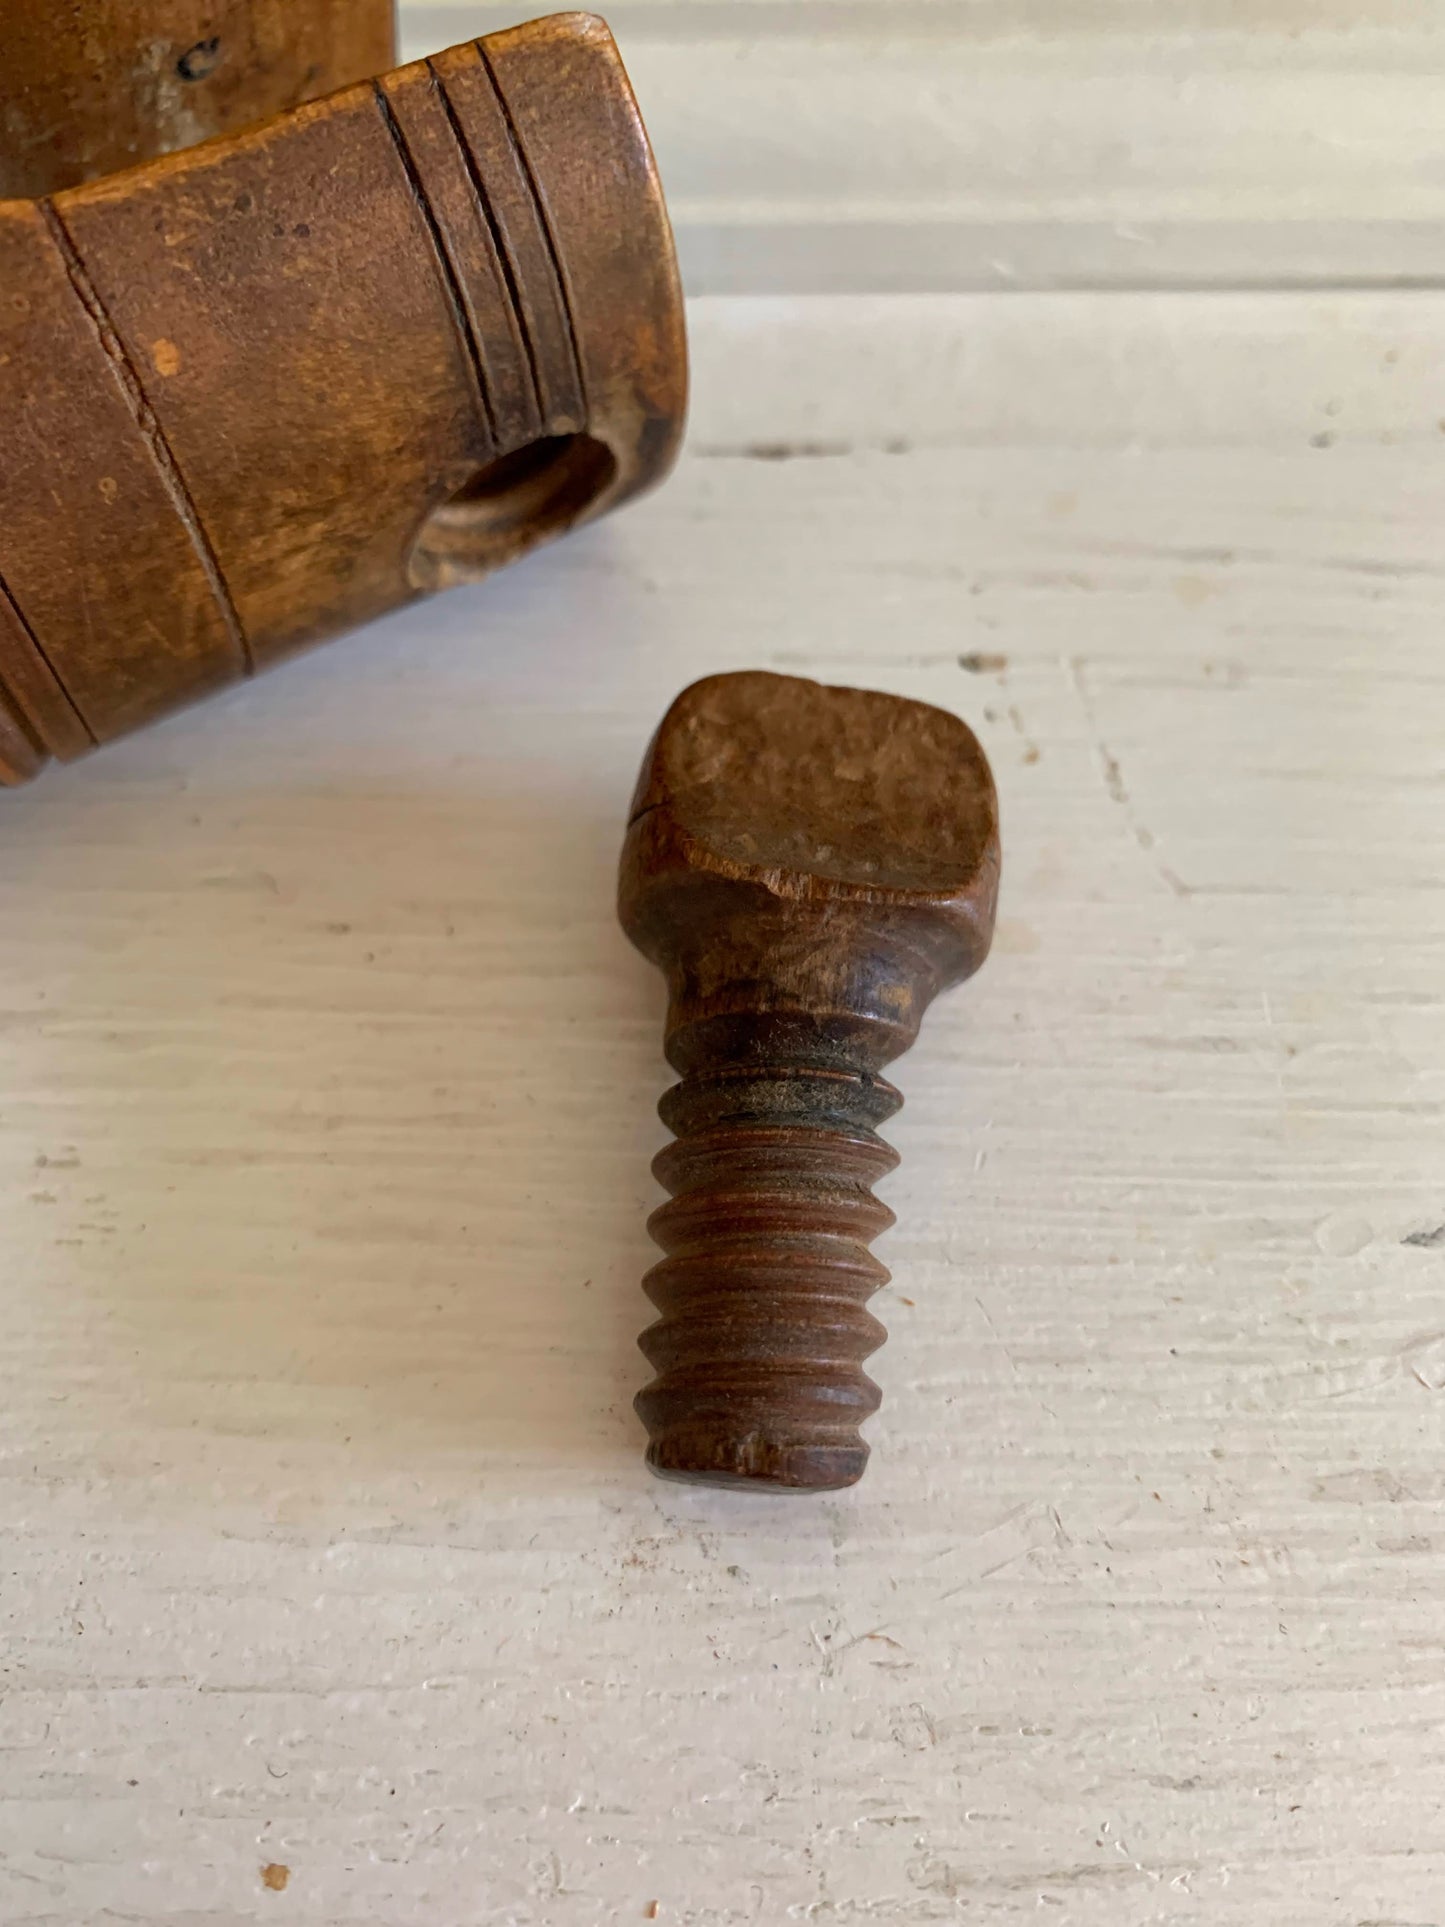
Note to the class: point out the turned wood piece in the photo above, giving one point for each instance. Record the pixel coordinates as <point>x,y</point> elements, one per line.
<point>261,391</point>
<point>88,87</point>
<point>809,867</point>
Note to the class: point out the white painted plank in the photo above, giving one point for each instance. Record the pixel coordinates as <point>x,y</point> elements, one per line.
<point>885,148</point>
<point>326,1087</point>
<point>985,19</point>
<point>824,376</point>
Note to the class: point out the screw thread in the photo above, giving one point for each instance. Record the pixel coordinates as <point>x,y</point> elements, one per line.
<point>760,1347</point>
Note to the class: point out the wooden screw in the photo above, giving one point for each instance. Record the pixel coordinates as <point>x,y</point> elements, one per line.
<point>809,867</point>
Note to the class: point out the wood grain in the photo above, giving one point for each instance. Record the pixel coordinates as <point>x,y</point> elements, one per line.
<point>102,553</point>
<point>328,1101</point>
<point>93,86</point>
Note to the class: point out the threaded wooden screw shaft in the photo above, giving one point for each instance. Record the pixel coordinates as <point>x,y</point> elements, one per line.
<point>763,1290</point>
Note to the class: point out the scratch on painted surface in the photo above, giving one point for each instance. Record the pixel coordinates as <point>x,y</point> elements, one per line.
<point>1115,786</point>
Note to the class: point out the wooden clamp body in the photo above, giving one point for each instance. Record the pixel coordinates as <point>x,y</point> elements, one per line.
<point>260,391</point>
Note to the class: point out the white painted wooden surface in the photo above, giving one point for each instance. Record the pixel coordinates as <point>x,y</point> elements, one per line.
<point>897,145</point>
<point>326,1088</point>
